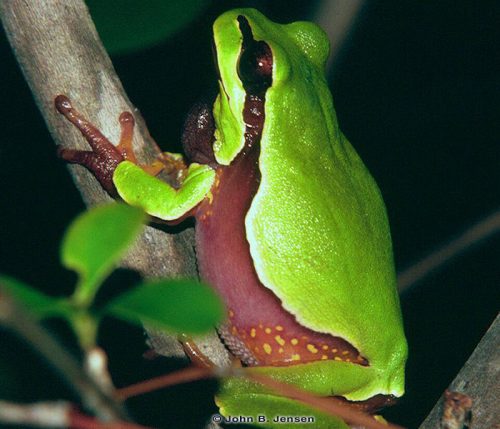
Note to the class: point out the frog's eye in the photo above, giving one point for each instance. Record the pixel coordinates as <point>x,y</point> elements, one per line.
<point>255,67</point>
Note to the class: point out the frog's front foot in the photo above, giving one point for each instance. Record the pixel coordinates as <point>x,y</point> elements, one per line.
<point>104,157</point>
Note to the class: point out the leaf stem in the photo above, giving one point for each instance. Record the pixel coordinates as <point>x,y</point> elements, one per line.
<point>185,375</point>
<point>85,327</point>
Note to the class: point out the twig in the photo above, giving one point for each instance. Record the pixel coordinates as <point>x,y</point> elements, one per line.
<point>480,231</point>
<point>15,318</point>
<point>96,366</point>
<point>41,414</point>
<point>185,375</point>
<point>54,415</point>
<point>330,406</point>
<point>479,379</point>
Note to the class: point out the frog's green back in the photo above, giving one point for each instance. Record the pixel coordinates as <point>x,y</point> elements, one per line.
<point>317,228</point>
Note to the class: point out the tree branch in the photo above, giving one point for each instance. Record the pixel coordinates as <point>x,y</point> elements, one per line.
<point>59,52</point>
<point>480,380</point>
<point>54,415</point>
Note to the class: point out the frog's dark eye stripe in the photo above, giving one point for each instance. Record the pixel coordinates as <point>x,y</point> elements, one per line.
<point>255,67</point>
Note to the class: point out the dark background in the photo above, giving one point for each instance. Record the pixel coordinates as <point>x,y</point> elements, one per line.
<point>417,93</point>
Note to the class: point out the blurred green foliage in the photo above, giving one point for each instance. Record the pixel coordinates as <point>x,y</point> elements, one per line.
<point>130,25</point>
<point>176,305</point>
<point>39,304</point>
<point>92,246</point>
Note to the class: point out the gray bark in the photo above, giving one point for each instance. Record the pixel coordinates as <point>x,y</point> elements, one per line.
<point>59,52</point>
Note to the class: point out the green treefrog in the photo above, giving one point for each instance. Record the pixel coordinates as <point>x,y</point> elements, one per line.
<point>291,228</point>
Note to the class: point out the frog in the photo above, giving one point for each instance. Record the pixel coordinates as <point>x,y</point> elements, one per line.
<point>290,227</point>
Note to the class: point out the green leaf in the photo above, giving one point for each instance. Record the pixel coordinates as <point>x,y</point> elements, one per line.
<point>180,306</point>
<point>96,241</point>
<point>129,25</point>
<point>37,303</point>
